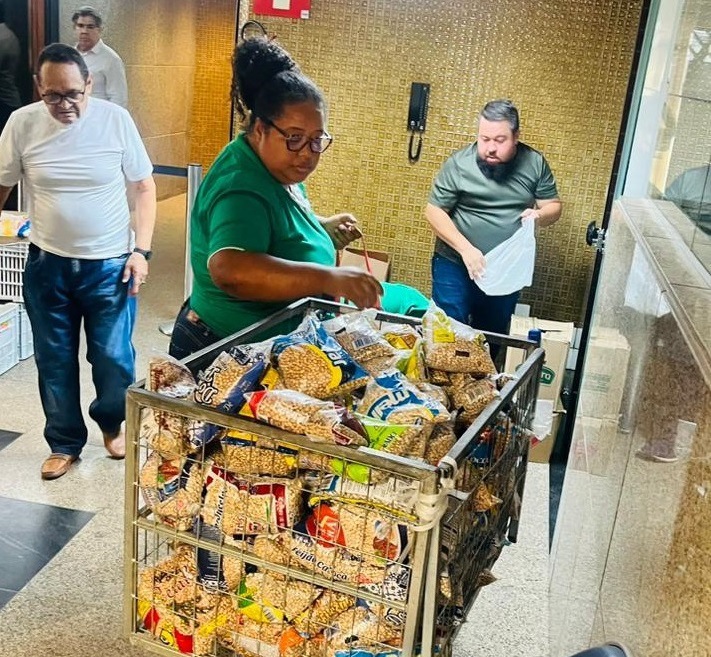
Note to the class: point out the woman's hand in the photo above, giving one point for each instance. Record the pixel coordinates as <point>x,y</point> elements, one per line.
<point>355,285</point>
<point>342,229</point>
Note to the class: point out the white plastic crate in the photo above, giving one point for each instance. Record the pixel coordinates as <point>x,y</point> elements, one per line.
<point>12,263</point>
<point>9,320</point>
<point>26,346</point>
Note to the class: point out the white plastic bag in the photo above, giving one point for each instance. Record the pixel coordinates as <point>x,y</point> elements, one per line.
<point>509,266</point>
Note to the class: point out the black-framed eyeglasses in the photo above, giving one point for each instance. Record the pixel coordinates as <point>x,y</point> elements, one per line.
<point>295,143</point>
<point>73,97</point>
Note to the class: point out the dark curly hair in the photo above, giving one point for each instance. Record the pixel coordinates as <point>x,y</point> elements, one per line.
<point>265,79</point>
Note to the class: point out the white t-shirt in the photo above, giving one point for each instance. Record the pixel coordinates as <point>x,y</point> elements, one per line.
<point>108,74</point>
<point>75,176</point>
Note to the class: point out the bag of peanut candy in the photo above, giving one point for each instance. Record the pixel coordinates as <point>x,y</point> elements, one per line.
<point>454,347</point>
<point>320,420</point>
<point>311,361</point>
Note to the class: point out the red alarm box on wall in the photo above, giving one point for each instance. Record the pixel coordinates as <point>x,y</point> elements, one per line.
<point>283,8</point>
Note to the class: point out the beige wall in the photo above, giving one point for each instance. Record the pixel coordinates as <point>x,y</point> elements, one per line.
<point>157,40</point>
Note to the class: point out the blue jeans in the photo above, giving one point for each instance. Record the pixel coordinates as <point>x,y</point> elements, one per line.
<point>462,299</point>
<point>59,293</point>
<point>190,334</point>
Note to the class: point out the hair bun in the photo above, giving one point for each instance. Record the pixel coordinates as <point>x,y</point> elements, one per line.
<point>259,59</point>
<point>265,78</point>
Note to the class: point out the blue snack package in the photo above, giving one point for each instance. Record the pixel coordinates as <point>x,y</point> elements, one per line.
<point>232,374</point>
<point>24,229</point>
<point>312,361</point>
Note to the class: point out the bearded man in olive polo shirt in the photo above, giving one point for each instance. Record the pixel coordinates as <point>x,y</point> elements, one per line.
<point>479,199</point>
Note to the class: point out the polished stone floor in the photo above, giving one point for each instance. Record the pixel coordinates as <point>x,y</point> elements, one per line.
<point>32,535</point>
<point>6,437</point>
<point>61,542</point>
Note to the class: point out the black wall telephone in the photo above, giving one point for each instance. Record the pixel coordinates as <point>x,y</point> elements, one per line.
<point>419,100</point>
<point>417,116</point>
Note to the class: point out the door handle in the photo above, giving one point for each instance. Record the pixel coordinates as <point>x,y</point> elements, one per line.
<point>595,236</point>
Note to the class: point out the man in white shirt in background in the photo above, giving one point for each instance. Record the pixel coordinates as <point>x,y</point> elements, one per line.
<point>106,68</point>
<point>77,155</point>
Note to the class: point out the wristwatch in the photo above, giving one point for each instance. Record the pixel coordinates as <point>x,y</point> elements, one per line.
<point>146,254</point>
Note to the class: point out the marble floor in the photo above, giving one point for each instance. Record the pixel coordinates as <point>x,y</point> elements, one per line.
<point>61,542</point>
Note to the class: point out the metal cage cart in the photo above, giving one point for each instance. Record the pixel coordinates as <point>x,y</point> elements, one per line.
<point>264,542</point>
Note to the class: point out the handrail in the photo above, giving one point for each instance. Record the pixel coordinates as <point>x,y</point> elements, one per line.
<point>169,170</point>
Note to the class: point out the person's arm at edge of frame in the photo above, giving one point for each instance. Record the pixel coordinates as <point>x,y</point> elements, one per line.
<point>4,194</point>
<point>265,278</point>
<point>445,229</point>
<point>144,223</point>
<point>546,212</point>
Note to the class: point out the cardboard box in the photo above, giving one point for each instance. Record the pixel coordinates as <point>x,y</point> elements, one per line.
<point>604,374</point>
<point>556,341</point>
<point>540,451</point>
<point>379,261</point>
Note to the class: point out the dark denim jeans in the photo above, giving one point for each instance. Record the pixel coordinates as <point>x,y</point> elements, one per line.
<point>462,299</point>
<point>190,334</point>
<point>59,293</point>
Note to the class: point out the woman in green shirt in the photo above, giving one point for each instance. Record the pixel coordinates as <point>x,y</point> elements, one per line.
<point>255,242</point>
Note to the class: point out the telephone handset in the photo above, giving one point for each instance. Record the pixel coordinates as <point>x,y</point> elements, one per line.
<point>419,101</point>
<point>417,117</point>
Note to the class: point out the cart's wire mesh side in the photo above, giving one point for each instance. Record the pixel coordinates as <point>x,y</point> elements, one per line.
<point>257,546</point>
<point>483,511</point>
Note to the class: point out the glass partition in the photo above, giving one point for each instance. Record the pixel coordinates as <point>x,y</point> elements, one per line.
<point>681,166</point>
<point>629,560</point>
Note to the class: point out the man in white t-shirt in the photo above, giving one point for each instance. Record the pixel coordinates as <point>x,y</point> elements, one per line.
<point>106,68</point>
<point>76,156</point>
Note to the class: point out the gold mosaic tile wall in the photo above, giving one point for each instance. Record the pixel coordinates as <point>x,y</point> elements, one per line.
<point>210,117</point>
<point>565,64</point>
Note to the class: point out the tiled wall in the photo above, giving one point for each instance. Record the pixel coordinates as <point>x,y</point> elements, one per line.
<point>157,41</point>
<point>210,120</point>
<point>565,64</point>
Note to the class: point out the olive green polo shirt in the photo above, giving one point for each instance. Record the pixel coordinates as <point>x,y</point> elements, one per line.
<point>487,212</point>
<point>241,206</point>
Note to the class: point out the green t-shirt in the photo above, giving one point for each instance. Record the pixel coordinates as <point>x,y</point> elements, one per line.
<point>487,212</point>
<point>240,205</point>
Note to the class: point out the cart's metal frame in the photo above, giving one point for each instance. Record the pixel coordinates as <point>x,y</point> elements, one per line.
<point>422,599</point>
